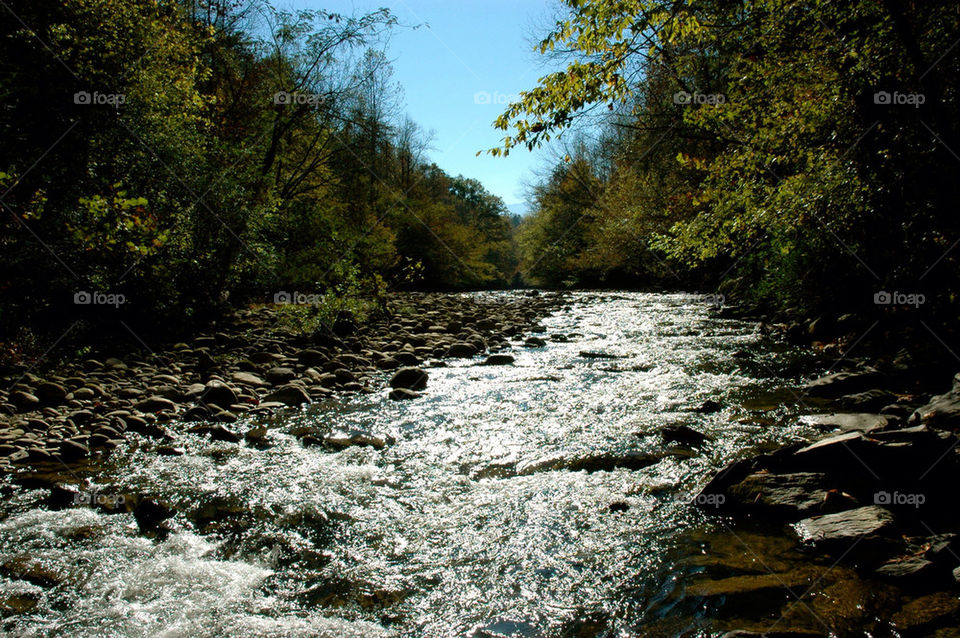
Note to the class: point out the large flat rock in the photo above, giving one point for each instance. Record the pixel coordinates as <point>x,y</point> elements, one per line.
<point>845,527</point>
<point>848,422</point>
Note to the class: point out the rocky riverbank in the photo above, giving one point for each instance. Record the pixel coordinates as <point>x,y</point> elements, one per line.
<point>875,495</point>
<point>248,366</point>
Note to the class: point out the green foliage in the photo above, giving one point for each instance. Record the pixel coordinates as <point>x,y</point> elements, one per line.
<point>145,151</point>
<point>794,174</point>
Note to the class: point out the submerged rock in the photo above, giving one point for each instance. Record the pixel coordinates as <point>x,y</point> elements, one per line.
<point>409,378</point>
<point>684,435</point>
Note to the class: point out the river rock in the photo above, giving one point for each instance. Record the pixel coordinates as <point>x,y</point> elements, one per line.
<point>72,450</point>
<point>941,411</point>
<point>595,462</point>
<point>312,358</point>
<point>155,404</point>
<point>534,342</point>
<point>921,616</point>
<point>499,360</point>
<point>248,379</point>
<point>684,435</point>
<point>280,375</point>
<point>341,440</point>
<point>220,433</point>
<point>219,393</point>
<point>150,513</point>
<point>462,350</point>
<point>24,401</point>
<point>290,394</point>
<point>845,528</point>
<point>388,363</point>
<point>51,393</point>
<point>848,422</point>
<point>32,570</point>
<point>841,383</point>
<point>905,570</point>
<point>409,378</point>
<point>868,400</point>
<point>402,394</point>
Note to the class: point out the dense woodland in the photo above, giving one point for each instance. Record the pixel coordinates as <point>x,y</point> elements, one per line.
<point>197,155</point>
<point>792,153</point>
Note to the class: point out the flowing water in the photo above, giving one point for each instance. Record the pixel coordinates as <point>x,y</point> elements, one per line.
<point>442,533</point>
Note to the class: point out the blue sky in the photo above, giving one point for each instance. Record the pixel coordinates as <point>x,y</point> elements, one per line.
<point>473,51</point>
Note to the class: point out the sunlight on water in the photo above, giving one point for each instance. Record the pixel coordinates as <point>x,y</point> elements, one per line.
<point>462,527</point>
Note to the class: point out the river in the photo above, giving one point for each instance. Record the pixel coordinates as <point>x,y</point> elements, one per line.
<point>448,531</point>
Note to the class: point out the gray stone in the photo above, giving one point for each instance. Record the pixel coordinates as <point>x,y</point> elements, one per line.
<point>845,527</point>
<point>848,422</point>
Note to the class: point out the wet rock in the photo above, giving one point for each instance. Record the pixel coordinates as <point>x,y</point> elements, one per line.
<point>51,393</point>
<point>194,414</point>
<point>942,411</point>
<point>597,462</point>
<point>462,350</point>
<point>402,394</point>
<point>19,603</point>
<point>684,435</point>
<point>588,354</point>
<point>756,585</point>
<point>72,450</point>
<point>906,570</point>
<point>841,530</point>
<point>248,379</point>
<point>150,513</point>
<point>618,506</point>
<point>288,395</point>
<point>169,450</point>
<point>841,383</point>
<point>218,393</point>
<point>32,570</point>
<point>256,435</point>
<point>409,378</point>
<point>24,401</point>
<point>787,496</point>
<point>312,358</point>
<point>220,433</point>
<point>848,422</point>
<point>342,440</point>
<point>280,375</point>
<point>499,360</point>
<point>868,400</point>
<point>708,407</point>
<point>388,363</point>
<point>534,342</point>
<point>155,404</point>
<point>920,617</point>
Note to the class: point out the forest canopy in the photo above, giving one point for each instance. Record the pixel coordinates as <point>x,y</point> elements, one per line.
<point>188,155</point>
<point>796,153</point>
